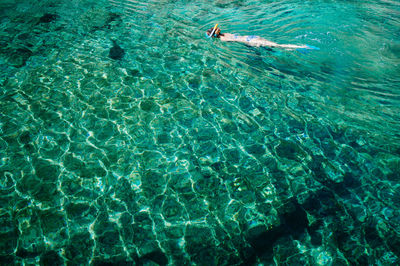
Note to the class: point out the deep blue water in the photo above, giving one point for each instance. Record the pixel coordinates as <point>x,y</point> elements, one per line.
<point>128,138</point>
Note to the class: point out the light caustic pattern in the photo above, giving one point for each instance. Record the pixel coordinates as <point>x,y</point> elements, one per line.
<point>129,137</point>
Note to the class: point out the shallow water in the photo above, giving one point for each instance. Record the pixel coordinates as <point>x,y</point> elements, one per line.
<point>127,137</point>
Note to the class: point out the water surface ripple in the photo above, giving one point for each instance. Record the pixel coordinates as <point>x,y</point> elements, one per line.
<point>127,137</point>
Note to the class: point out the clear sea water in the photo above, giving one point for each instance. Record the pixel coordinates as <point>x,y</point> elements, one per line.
<point>128,138</point>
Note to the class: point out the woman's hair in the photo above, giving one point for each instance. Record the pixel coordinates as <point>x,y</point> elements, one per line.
<point>217,32</point>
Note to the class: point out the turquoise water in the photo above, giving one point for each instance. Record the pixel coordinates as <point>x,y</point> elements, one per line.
<point>128,138</point>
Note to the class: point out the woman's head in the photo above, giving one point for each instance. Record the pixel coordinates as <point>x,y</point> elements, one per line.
<point>216,33</point>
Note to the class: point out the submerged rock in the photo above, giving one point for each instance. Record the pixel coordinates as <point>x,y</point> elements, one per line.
<point>116,52</point>
<point>19,57</point>
<point>47,18</point>
<point>25,137</point>
<point>113,17</point>
<point>289,150</point>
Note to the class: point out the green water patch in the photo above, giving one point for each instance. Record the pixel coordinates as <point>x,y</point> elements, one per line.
<point>128,137</point>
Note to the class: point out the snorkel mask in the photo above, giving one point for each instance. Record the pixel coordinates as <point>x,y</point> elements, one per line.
<point>212,34</point>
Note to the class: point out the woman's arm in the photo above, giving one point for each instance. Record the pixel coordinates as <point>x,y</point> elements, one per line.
<point>292,46</point>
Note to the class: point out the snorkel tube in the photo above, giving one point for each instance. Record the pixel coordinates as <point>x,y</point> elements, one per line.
<point>214,29</point>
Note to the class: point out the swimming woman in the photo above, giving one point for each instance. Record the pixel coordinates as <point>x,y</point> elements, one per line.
<point>251,40</point>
